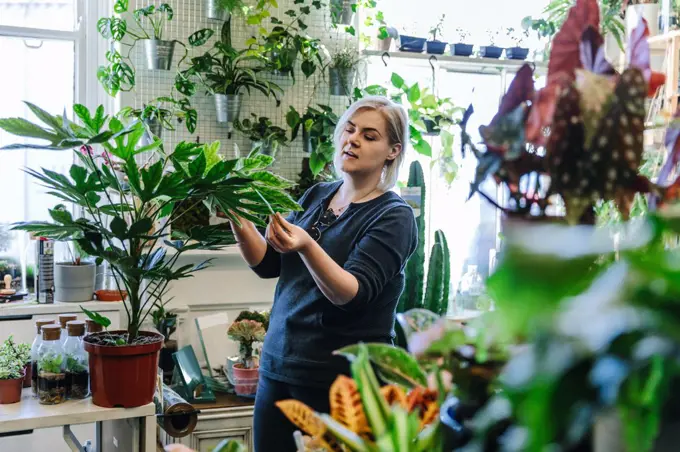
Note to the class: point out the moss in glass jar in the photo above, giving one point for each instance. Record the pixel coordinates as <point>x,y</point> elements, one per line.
<point>51,380</point>
<point>77,378</point>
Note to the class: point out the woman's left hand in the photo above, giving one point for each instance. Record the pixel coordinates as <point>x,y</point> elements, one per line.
<point>286,237</point>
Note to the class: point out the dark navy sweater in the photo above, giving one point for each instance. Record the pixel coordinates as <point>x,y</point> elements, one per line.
<point>372,241</point>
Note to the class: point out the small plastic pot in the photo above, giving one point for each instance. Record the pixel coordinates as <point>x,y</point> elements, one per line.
<point>436,47</point>
<point>411,44</point>
<point>490,52</point>
<point>245,380</point>
<point>10,390</point>
<point>461,49</point>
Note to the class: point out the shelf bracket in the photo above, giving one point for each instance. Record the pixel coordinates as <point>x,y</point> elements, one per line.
<point>73,443</point>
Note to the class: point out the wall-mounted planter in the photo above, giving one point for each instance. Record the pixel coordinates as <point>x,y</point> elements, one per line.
<point>411,44</point>
<point>286,57</point>
<point>74,283</point>
<point>264,147</point>
<point>516,53</point>
<point>436,47</point>
<point>123,376</point>
<point>159,54</point>
<point>228,107</point>
<point>154,126</point>
<point>342,12</point>
<point>214,11</point>
<point>461,49</point>
<point>341,81</point>
<point>490,52</point>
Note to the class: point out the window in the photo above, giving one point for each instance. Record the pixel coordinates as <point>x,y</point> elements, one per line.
<point>44,50</point>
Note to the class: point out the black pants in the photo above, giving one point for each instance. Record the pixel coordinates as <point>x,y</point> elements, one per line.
<point>272,430</point>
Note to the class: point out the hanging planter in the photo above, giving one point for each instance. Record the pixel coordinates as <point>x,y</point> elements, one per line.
<point>283,60</point>
<point>123,376</point>
<point>159,54</point>
<point>306,141</point>
<point>516,53</point>
<point>73,282</point>
<point>215,11</point>
<point>341,81</point>
<point>155,126</point>
<point>263,147</point>
<point>342,11</point>
<point>228,107</point>
<point>432,126</point>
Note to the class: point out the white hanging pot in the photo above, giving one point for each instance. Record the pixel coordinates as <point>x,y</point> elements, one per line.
<point>648,11</point>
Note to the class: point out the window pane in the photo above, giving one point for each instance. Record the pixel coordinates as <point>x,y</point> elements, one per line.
<point>48,14</point>
<point>42,74</point>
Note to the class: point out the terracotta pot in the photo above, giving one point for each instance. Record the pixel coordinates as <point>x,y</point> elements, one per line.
<point>28,373</point>
<point>245,380</point>
<point>10,391</point>
<point>110,295</point>
<point>123,376</point>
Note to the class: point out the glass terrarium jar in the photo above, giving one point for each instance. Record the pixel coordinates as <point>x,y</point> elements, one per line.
<point>37,342</point>
<point>76,365</point>
<point>63,320</point>
<point>471,295</point>
<point>51,375</point>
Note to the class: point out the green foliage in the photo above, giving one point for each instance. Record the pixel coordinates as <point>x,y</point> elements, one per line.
<point>229,445</point>
<point>50,363</point>
<point>318,125</point>
<point>347,58</point>
<point>262,131</point>
<point>97,318</point>
<point>126,229</point>
<point>412,296</point>
<point>164,321</point>
<point>75,365</point>
<point>155,112</point>
<point>13,358</point>
<point>262,317</point>
<point>438,276</point>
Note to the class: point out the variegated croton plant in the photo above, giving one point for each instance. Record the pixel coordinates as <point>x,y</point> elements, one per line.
<point>580,138</point>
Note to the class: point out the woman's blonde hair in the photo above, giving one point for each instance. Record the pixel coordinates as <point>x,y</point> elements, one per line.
<point>397,133</point>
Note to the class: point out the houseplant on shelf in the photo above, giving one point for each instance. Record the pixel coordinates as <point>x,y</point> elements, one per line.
<point>517,52</point>
<point>491,50</point>
<point>434,45</point>
<point>128,226</point>
<point>342,71</point>
<point>12,372</point>
<point>246,371</point>
<point>265,137</point>
<point>462,47</point>
<point>73,279</point>
<point>119,74</point>
<point>225,73</point>
<point>318,125</point>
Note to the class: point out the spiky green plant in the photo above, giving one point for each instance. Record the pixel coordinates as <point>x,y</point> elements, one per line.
<point>438,276</point>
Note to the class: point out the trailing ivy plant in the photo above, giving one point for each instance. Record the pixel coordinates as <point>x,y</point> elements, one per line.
<point>181,110</point>
<point>128,224</point>
<point>262,132</point>
<point>118,74</point>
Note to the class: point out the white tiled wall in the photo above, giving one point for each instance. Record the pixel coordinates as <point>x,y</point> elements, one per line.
<point>190,17</point>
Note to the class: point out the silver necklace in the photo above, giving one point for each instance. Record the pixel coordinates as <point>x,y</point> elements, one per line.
<point>337,211</point>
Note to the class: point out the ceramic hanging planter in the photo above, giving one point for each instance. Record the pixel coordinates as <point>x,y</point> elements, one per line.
<point>215,11</point>
<point>341,79</point>
<point>228,107</point>
<point>123,376</point>
<point>159,54</point>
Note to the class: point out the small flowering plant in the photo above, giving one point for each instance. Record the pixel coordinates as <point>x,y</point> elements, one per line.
<point>246,332</point>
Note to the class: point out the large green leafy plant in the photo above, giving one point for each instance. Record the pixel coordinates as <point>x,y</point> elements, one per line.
<point>317,126</point>
<point>128,224</point>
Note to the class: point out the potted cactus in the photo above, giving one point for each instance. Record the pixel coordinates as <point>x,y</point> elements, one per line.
<point>246,372</point>
<point>12,371</point>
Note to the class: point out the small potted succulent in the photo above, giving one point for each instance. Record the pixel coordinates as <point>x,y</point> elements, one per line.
<point>342,71</point>
<point>265,137</point>
<point>12,372</point>
<point>462,48</point>
<point>246,372</point>
<point>517,52</point>
<point>434,45</point>
<point>491,50</point>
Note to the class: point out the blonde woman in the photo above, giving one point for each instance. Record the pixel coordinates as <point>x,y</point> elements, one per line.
<point>340,265</point>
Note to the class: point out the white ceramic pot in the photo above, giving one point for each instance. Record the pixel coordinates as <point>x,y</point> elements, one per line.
<point>649,11</point>
<point>74,283</point>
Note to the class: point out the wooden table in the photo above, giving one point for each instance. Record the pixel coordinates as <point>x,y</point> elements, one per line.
<point>117,429</point>
<point>230,416</point>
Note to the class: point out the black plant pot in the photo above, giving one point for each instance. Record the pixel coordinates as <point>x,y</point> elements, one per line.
<point>306,141</point>
<point>431,127</point>
<point>490,52</point>
<point>516,53</point>
<point>436,47</point>
<point>461,49</point>
<point>165,361</point>
<point>411,44</point>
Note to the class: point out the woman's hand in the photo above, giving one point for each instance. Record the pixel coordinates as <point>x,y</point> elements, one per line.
<point>286,237</point>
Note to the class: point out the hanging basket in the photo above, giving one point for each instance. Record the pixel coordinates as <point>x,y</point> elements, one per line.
<point>214,11</point>
<point>159,54</point>
<point>341,81</point>
<point>228,107</point>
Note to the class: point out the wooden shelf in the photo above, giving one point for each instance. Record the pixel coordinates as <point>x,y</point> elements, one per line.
<point>457,63</point>
<point>660,42</point>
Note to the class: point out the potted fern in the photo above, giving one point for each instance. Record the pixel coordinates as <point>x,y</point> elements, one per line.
<point>128,226</point>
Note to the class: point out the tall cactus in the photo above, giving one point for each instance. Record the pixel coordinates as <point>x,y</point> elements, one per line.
<point>412,297</point>
<point>438,276</point>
